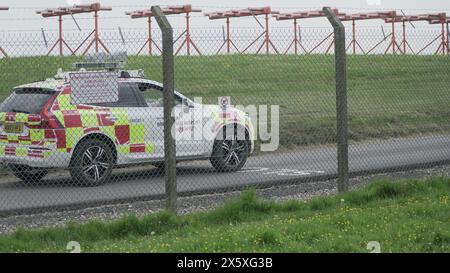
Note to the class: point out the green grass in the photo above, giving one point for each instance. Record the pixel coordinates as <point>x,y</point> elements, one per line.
<point>408,216</point>
<point>388,96</point>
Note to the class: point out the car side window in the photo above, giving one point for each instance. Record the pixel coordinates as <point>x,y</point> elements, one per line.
<point>153,95</point>
<point>129,96</point>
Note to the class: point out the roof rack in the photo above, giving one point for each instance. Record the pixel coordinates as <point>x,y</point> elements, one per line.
<point>98,66</point>
<point>101,62</point>
<point>121,73</point>
<point>95,61</point>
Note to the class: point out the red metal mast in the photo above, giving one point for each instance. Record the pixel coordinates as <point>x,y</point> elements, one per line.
<point>58,12</point>
<point>393,43</point>
<point>89,8</point>
<point>1,49</point>
<point>448,36</point>
<point>405,44</point>
<point>188,42</point>
<point>225,15</point>
<point>354,44</point>
<point>438,18</point>
<point>389,17</point>
<point>444,47</point>
<point>267,42</point>
<point>297,39</point>
<point>315,14</point>
<point>150,42</point>
<point>404,19</point>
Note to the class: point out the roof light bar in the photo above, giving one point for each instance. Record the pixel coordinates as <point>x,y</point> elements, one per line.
<point>103,60</point>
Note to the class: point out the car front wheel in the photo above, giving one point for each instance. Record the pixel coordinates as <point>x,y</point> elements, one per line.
<point>231,150</point>
<point>92,163</point>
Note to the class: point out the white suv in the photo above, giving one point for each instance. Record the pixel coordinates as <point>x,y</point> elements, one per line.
<point>42,128</point>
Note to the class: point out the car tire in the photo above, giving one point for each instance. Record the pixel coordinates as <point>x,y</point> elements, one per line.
<point>28,175</point>
<point>92,163</point>
<point>231,149</point>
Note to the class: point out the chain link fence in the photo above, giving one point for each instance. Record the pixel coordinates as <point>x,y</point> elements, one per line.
<point>89,130</point>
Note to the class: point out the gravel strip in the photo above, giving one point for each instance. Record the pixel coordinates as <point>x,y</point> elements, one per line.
<point>198,203</point>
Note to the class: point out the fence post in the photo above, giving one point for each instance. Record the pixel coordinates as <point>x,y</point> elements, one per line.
<point>168,100</point>
<point>341,99</point>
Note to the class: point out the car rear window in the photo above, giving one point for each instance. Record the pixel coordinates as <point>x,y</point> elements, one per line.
<point>26,100</point>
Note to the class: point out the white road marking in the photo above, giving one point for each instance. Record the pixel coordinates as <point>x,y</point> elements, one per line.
<point>281,172</point>
<point>253,170</point>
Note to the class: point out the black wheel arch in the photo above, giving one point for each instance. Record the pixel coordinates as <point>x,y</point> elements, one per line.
<point>96,136</point>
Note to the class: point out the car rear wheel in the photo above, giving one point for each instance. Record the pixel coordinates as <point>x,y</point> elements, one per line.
<point>28,175</point>
<point>92,163</point>
<point>231,149</point>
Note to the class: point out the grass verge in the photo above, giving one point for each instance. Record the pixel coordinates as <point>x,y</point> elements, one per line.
<point>409,216</point>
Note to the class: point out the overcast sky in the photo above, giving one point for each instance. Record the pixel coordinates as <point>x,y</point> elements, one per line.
<point>21,15</point>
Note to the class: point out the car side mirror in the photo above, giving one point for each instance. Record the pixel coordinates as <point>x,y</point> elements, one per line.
<point>187,104</point>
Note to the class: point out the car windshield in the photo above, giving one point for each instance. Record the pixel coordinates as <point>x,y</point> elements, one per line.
<point>26,100</point>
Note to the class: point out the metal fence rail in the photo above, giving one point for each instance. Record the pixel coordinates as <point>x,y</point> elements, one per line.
<point>72,138</point>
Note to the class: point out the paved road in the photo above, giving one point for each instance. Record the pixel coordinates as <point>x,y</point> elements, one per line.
<point>291,167</point>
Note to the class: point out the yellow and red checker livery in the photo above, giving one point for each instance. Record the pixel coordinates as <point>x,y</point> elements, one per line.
<point>52,138</point>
